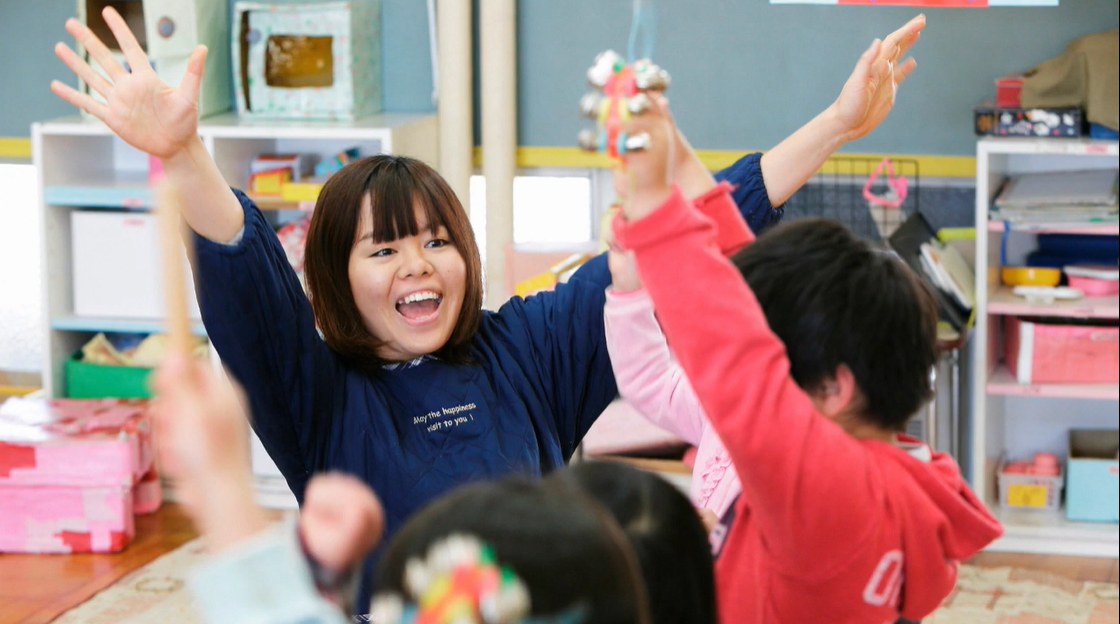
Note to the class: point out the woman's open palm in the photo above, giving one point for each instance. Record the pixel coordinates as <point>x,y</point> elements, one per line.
<point>139,108</point>
<point>869,94</point>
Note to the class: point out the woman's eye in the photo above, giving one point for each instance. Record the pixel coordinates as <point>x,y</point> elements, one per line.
<point>436,243</point>
<point>382,253</point>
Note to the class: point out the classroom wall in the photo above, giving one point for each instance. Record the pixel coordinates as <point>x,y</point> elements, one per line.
<point>30,28</point>
<point>746,73</point>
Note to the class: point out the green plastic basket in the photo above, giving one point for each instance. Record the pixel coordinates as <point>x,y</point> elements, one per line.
<point>94,381</point>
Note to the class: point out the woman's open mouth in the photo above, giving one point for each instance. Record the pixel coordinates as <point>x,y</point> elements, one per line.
<point>420,307</point>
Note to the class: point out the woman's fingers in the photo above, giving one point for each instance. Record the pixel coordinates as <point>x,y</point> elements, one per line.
<point>191,84</point>
<point>80,100</point>
<point>905,70</point>
<point>137,60</point>
<point>83,70</point>
<point>97,50</point>
<point>899,42</point>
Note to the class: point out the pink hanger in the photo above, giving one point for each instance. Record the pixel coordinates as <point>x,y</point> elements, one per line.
<point>898,183</point>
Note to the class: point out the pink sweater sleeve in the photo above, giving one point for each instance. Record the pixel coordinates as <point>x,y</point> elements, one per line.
<point>648,375</point>
<point>808,481</point>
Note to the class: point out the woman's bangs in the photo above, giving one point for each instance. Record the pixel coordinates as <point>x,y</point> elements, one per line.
<point>393,207</point>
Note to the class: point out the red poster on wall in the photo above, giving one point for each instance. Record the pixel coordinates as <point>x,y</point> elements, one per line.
<point>940,4</point>
<point>936,4</point>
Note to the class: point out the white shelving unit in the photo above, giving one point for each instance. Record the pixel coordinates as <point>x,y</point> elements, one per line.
<point>81,165</point>
<point>1016,420</point>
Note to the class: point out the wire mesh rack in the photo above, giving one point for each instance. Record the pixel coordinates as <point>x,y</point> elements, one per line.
<point>836,193</point>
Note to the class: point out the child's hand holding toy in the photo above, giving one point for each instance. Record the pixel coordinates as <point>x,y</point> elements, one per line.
<point>634,120</point>
<point>649,171</point>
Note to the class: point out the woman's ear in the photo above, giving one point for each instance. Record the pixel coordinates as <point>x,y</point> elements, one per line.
<point>834,396</point>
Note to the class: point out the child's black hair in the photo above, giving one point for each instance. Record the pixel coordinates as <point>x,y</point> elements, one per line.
<point>666,532</point>
<point>833,299</point>
<point>560,542</point>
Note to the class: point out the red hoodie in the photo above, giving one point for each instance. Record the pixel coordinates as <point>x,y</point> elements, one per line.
<point>829,529</point>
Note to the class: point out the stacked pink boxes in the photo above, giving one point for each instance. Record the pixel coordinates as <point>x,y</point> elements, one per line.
<point>77,489</point>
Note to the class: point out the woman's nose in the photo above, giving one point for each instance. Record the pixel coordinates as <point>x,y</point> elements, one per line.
<point>415,263</point>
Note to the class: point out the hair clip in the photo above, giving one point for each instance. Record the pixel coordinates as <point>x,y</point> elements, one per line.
<point>459,582</point>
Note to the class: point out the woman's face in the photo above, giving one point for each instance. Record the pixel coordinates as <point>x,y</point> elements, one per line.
<point>409,291</point>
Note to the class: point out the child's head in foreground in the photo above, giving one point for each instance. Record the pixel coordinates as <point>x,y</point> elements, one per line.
<point>859,326</point>
<point>668,537</point>
<point>564,548</point>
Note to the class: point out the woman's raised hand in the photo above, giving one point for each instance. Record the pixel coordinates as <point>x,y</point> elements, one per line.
<point>869,94</point>
<point>139,108</point>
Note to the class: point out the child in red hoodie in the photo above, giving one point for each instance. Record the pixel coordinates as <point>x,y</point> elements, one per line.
<point>809,370</point>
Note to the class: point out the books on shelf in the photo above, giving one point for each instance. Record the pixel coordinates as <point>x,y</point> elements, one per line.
<point>1075,189</point>
<point>949,271</point>
<point>1059,198</point>
<point>1058,216</point>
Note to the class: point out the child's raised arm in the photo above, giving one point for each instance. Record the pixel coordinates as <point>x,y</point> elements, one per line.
<point>154,118</point>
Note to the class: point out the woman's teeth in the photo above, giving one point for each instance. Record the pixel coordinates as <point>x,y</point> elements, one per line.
<point>418,297</point>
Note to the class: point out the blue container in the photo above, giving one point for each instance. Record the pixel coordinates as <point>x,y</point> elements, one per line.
<point>1093,477</point>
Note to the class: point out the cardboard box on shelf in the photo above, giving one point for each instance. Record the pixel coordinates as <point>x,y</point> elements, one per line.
<point>1093,491</point>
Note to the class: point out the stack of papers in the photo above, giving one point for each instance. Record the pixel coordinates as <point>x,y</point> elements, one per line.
<point>1060,198</point>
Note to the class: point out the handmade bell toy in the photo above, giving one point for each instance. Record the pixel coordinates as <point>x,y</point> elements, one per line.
<point>620,94</point>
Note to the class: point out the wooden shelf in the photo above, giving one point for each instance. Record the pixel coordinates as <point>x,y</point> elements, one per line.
<point>121,325</point>
<point>1002,383</point>
<point>1050,533</point>
<point>1103,229</point>
<point>1004,302</point>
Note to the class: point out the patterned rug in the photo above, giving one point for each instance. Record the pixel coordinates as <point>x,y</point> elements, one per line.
<point>157,594</point>
<point>154,594</point>
<point>1019,596</point>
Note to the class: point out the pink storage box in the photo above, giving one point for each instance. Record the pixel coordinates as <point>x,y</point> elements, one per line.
<point>1039,353</point>
<point>1094,287</point>
<point>77,491</point>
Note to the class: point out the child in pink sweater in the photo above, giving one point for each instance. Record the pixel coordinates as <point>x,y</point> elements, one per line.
<point>648,375</point>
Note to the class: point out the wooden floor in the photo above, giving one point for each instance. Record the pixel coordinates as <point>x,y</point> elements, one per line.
<point>1077,568</point>
<point>35,589</point>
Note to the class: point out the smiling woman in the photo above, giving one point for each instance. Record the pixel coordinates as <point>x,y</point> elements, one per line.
<point>394,228</point>
<point>411,385</point>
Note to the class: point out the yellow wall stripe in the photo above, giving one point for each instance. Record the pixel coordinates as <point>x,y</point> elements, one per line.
<point>15,148</point>
<point>575,158</point>
<point>572,157</point>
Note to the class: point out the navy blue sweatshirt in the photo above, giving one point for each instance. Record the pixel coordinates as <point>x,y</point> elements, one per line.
<point>416,430</point>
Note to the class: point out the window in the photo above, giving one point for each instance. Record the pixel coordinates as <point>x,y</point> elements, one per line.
<point>21,336</point>
<point>547,209</point>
